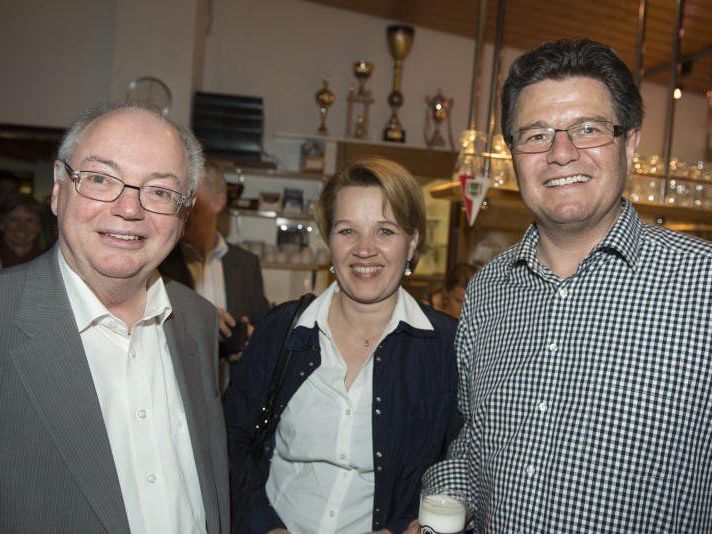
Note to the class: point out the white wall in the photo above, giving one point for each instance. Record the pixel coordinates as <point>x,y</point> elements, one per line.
<point>280,50</point>
<point>60,57</point>
<point>689,130</point>
<point>55,59</point>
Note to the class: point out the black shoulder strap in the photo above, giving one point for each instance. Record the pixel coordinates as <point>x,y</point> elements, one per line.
<point>264,426</point>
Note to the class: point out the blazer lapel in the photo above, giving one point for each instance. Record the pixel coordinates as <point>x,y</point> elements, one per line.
<point>187,367</point>
<point>54,370</point>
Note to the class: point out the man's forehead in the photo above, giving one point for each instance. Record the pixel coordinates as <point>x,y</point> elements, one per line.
<point>121,138</point>
<point>566,99</point>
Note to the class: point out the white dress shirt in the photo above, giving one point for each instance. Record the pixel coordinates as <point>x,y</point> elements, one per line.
<point>207,273</point>
<point>142,409</point>
<point>322,473</point>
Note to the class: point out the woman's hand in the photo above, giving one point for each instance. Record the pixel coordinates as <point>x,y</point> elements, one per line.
<point>278,531</point>
<point>413,528</point>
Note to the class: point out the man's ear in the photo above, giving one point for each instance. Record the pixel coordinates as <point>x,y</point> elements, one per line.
<point>59,174</point>
<point>219,202</point>
<point>632,141</point>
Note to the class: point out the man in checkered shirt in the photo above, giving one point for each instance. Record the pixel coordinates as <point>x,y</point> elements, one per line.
<point>585,350</point>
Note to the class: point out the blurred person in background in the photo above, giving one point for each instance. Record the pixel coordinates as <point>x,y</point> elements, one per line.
<point>20,226</point>
<point>450,298</point>
<point>9,186</point>
<point>227,275</point>
<point>368,397</point>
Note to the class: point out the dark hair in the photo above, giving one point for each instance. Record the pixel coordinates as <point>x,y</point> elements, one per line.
<point>460,275</point>
<point>24,200</point>
<point>565,58</point>
<point>401,192</point>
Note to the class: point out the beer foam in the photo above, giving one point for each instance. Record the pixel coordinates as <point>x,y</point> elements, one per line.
<point>442,513</point>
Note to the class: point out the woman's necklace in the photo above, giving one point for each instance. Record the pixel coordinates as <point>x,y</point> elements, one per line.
<point>366,339</point>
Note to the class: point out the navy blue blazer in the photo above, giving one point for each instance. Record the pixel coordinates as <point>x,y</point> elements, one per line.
<point>414,416</point>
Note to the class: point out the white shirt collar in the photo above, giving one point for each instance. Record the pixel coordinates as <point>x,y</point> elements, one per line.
<point>407,310</point>
<point>88,308</point>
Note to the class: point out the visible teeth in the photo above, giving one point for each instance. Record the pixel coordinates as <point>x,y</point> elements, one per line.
<point>366,270</point>
<point>125,237</point>
<point>579,178</point>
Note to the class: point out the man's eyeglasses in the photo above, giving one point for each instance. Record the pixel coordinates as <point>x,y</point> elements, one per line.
<point>588,134</point>
<point>107,188</point>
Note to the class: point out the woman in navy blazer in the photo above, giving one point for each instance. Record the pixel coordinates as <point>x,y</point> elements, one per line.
<point>368,399</point>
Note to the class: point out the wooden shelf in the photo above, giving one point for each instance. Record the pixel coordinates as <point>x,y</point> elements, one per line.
<point>265,214</point>
<point>295,266</point>
<point>230,167</point>
<point>506,209</point>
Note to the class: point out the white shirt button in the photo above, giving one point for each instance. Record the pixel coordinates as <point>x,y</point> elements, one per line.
<point>132,354</point>
<point>141,414</point>
<point>563,292</point>
<point>553,347</point>
<point>342,456</point>
<point>332,513</point>
<point>347,411</point>
<point>531,470</point>
<point>152,478</point>
<point>542,406</point>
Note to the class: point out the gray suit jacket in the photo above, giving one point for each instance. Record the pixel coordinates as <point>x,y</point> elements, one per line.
<point>57,472</point>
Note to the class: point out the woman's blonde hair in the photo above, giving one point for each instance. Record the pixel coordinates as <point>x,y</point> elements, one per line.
<point>400,191</point>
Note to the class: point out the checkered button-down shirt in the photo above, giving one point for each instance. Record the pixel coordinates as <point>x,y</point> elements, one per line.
<point>588,401</point>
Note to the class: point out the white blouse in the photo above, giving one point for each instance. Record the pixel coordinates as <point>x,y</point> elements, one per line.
<point>322,473</point>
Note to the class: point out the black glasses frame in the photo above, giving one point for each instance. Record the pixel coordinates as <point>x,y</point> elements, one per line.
<point>75,176</point>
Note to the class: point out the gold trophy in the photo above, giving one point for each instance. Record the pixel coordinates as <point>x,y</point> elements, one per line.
<point>438,110</point>
<point>324,99</point>
<point>362,97</point>
<point>400,39</point>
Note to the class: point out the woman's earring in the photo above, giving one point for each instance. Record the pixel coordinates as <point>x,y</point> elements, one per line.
<point>408,271</point>
<point>332,270</point>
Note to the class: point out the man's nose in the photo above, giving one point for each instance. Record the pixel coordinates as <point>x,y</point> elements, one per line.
<point>128,205</point>
<point>562,149</point>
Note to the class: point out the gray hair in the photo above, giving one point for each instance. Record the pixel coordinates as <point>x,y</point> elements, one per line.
<point>193,149</point>
<point>214,179</point>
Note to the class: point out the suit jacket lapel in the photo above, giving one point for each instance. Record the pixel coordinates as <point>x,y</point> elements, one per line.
<point>187,367</point>
<point>54,370</point>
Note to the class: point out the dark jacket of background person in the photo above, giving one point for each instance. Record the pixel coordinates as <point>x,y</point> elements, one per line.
<point>243,280</point>
<point>415,412</point>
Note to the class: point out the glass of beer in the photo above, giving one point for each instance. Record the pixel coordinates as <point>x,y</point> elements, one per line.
<point>442,511</point>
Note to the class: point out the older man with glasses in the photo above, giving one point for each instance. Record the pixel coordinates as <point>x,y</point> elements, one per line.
<point>584,351</point>
<point>110,417</point>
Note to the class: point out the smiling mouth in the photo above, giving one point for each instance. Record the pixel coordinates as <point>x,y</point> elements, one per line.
<point>568,180</point>
<point>124,237</point>
<point>366,269</point>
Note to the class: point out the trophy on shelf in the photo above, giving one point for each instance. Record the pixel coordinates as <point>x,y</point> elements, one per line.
<point>438,110</point>
<point>324,99</point>
<point>361,97</point>
<point>400,39</point>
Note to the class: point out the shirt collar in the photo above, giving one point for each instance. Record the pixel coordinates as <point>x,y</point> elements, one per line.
<point>622,239</point>
<point>88,309</point>
<point>218,251</point>
<point>406,310</point>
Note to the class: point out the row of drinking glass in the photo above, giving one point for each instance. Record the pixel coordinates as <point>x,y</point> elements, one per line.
<point>689,184</point>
